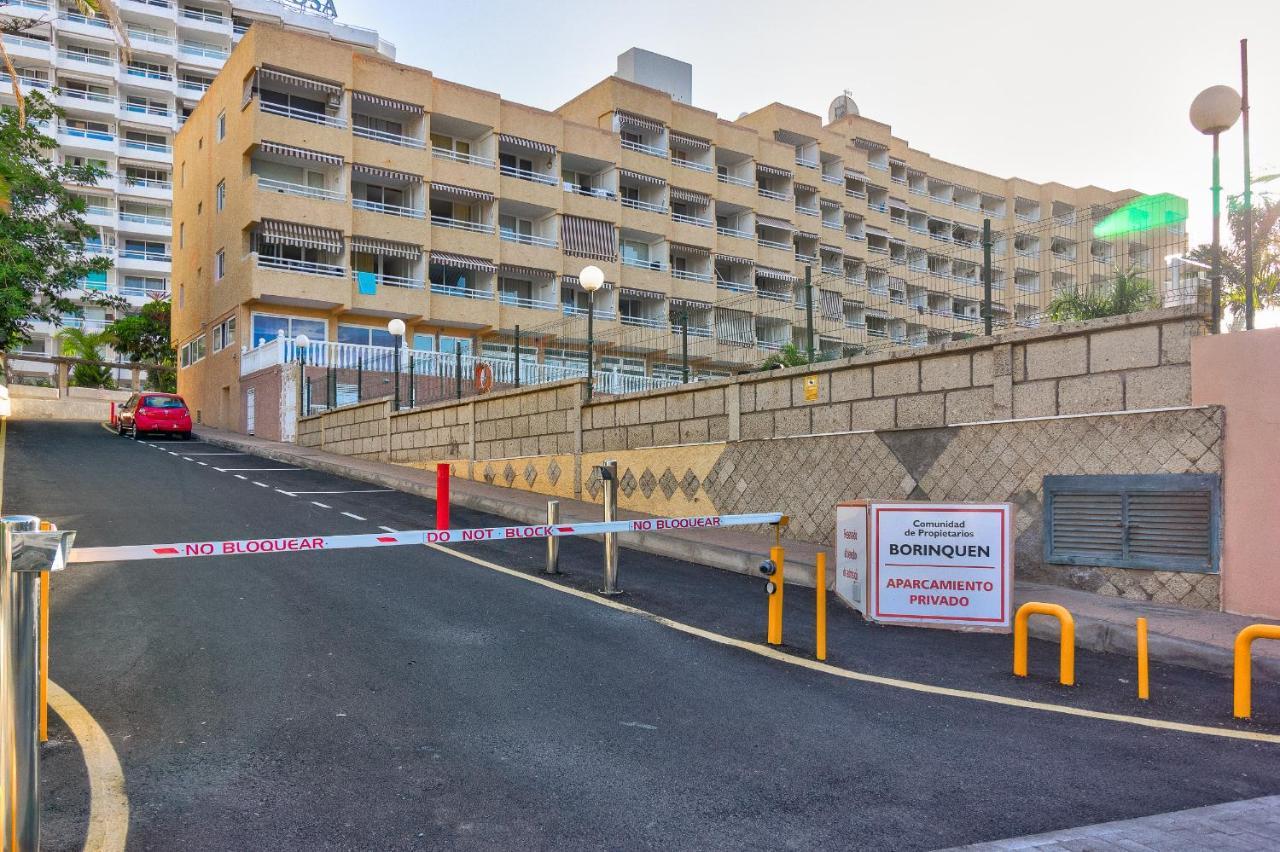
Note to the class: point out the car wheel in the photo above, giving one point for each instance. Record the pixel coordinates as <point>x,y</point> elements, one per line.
<point>119,429</point>
<point>133,433</point>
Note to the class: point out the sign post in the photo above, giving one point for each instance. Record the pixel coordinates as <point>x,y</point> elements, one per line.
<point>851,554</point>
<point>941,564</point>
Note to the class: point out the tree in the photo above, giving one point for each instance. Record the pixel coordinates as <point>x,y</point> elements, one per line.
<point>42,232</point>
<point>1266,254</point>
<point>79,343</point>
<point>788,356</point>
<point>144,337</point>
<point>1127,293</point>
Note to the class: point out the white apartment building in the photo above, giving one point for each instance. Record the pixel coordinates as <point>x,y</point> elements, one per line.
<point>122,114</point>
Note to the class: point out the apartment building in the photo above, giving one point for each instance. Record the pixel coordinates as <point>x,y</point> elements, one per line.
<point>122,114</point>
<point>323,191</point>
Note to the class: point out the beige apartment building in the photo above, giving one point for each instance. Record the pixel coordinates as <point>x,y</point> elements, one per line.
<point>323,190</point>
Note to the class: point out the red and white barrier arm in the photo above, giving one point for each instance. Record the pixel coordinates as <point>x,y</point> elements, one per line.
<point>291,544</point>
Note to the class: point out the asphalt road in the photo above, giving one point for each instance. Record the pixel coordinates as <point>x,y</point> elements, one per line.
<point>407,699</point>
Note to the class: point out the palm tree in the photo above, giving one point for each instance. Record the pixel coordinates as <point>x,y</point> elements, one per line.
<point>1128,293</point>
<point>79,343</point>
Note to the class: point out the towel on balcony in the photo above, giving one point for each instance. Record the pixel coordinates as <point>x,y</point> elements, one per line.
<point>367,282</point>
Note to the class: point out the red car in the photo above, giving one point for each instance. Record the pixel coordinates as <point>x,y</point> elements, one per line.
<point>154,412</point>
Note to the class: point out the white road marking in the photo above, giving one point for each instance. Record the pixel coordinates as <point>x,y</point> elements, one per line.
<point>203,464</point>
<point>261,484</point>
<point>233,469</point>
<point>388,529</point>
<point>354,491</point>
<point>354,517</point>
<point>238,476</point>
<point>171,452</point>
<point>219,454</point>
<point>285,493</point>
<point>321,505</point>
<point>186,458</point>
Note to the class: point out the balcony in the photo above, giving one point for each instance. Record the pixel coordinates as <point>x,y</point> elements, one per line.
<point>691,164</point>
<point>518,301</point>
<point>303,267</point>
<point>301,114</point>
<point>290,188</point>
<point>640,321</point>
<point>526,174</point>
<point>772,194</point>
<point>458,157</point>
<point>385,280</point>
<point>389,138</point>
<point>404,212</point>
<point>774,244</point>
<point>77,60</point>
<point>462,292</point>
<point>651,150</point>
<point>697,221</point>
<point>510,236</point>
<point>734,180</point>
<point>207,55</point>
<point>638,263</point>
<point>690,275</point>
<point>462,225</point>
<point>26,47</point>
<point>143,255</point>
<point>82,101</point>
<point>140,39</point>
<point>93,140</point>
<point>647,206</point>
<point>734,232</point>
<point>806,211</point>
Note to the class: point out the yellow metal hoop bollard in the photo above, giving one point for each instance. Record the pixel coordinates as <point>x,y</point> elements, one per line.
<point>1244,665</point>
<point>1067,659</point>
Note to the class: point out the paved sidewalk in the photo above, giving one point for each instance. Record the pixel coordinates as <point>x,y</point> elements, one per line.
<point>1189,637</point>
<point>1252,824</point>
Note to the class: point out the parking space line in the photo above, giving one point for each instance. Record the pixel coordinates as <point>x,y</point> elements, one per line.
<point>321,505</point>
<point>261,484</point>
<point>353,491</point>
<point>388,529</point>
<point>203,464</point>
<point>238,476</point>
<point>354,517</point>
<point>219,454</point>
<point>285,493</point>
<point>248,469</point>
<point>171,452</point>
<point>186,458</point>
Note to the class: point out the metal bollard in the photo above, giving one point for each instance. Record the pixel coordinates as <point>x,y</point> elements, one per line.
<point>23,655</point>
<point>609,480</point>
<point>553,543</point>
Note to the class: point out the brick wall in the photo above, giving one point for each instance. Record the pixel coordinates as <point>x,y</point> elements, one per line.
<point>354,430</point>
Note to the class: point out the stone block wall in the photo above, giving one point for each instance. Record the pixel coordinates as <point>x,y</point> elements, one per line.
<point>355,430</point>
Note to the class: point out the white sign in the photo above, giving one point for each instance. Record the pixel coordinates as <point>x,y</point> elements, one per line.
<point>942,564</point>
<point>851,554</point>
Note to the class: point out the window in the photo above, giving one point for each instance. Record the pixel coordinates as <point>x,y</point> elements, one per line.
<point>161,402</point>
<point>222,125</point>
<point>365,335</point>
<point>1164,522</point>
<point>224,334</point>
<point>220,195</point>
<point>424,342</point>
<point>267,326</point>
<point>453,344</point>
<point>192,352</point>
<point>219,265</point>
<point>182,234</point>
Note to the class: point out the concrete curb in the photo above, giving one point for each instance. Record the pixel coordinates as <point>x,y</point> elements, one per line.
<point>1094,634</point>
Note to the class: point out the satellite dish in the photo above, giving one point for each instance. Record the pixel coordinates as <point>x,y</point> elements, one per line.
<point>842,106</point>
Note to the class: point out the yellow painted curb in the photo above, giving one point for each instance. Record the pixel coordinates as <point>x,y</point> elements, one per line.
<point>108,804</point>
<point>849,674</point>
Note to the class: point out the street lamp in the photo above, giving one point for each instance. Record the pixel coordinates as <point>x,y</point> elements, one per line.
<point>396,328</point>
<point>592,279</point>
<point>1213,111</point>
<point>300,344</point>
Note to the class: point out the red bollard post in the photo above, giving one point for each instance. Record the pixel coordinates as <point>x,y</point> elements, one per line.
<point>113,412</point>
<point>442,496</point>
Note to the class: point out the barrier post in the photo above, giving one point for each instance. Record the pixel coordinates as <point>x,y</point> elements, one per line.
<point>1144,684</point>
<point>1244,665</point>
<point>553,543</point>
<point>22,707</point>
<point>442,496</point>
<point>609,481</point>
<point>113,413</point>
<point>776,555</point>
<point>1067,655</point>
<point>820,622</point>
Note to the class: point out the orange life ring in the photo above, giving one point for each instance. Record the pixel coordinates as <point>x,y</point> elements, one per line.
<point>484,377</point>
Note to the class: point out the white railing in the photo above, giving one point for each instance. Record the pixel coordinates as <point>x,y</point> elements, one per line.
<point>458,157</point>
<point>855,193</point>
<point>389,209</point>
<point>76,18</point>
<point>691,220</point>
<point>78,95</point>
<point>651,150</point>
<point>462,224</point>
<point>147,73</point>
<point>77,56</point>
<point>806,211</point>
<point>636,204</point>
<point>193,85</point>
<point>207,17</point>
<point>601,313</point>
<point>391,280</point>
<point>153,256</point>
<point>733,286</point>
<point>808,164</point>
<point>153,38</point>
<point>526,174</point>
<point>688,275</point>
<point>143,219</point>
<point>302,266</point>
<point>769,193</point>
<point>147,109</point>
<point>300,114</point>
<point>207,51</point>
<point>642,264</point>
<point>384,136</point>
<point>691,164</point>
<point>734,180</point>
<point>141,145</point>
<point>527,239</point>
<point>838,180</point>
<point>462,292</point>
<point>290,188</point>
<point>773,244</point>
<point>644,322</point>
<point>734,232</point>
<point>775,295</point>
<point>526,302</point>
<point>25,41</point>
<point>591,191</point>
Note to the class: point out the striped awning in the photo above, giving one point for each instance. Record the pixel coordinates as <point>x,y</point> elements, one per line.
<point>384,174</point>
<point>735,260</point>
<point>389,248</point>
<point>641,294</point>
<point>331,90</point>
<point>591,238</point>
<point>763,168</point>
<point>573,282</point>
<point>643,178</point>
<point>299,153</point>
<point>689,196</point>
<point>463,261</point>
<point>830,204</point>
<point>831,248</point>
<point>877,230</point>
<point>685,248</point>
<point>771,222</point>
<point>525,271</point>
<point>627,119</point>
<point>869,144</point>
<point>449,189</point>
<point>808,235</point>
<point>690,303</point>
<point>386,103</point>
<point>804,187</point>
<point>854,173</point>
<point>299,235</point>
<point>530,144</point>
<point>774,274</point>
<point>686,141</point>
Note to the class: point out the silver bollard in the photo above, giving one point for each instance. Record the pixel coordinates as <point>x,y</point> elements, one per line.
<point>553,543</point>
<point>23,614</point>
<point>609,481</point>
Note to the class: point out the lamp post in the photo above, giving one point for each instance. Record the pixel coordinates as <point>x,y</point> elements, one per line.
<point>1213,111</point>
<point>592,279</point>
<point>300,343</point>
<point>396,329</point>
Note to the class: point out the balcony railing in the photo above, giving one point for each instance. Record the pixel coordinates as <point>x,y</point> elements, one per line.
<point>290,188</point>
<point>147,109</point>
<point>384,136</point>
<point>81,133</point>
<point>462,292</point>
<point>301,114</point>
<point>148,37</point>
<point>776,196</point>
<point>148,74</point>
<point>526,174</point>
<point>690,275</point>
<point>691,164</point>
<point>590,191</point>
<point>391,280</point>
<point>733,286</point>
<point>207,17</point>
<point>77,56</point>
<point>806,211</point>
<point>733,232</point>
<point>77,18</point>
<point>143,219</point>
<point>143,145</point>
<point>808,164</point>
<point>774,295</point>
<point>637,204</point>
<point>519,301</point>
<point>153,256</point>
<point>651,150</point>
<point>644,322</point>
<point>637,263</point>
<point>691,220</point>
<point>202,50</point>
<point>389,209</point>
<point>734,180</point>
<point>462,224</point>
<point>601,313</point>
<point>459,157</point>
<point>304,267</point>
<point>527,239</point>
<point>855,193</point>
<point>78,95</point>
<point>773,244</point>
<point>193,86</point>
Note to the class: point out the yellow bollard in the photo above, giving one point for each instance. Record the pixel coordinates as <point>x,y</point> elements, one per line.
<point>1144,685</point>
<point>820,623</point>
<point>777,555</point>
<point>1067,656</point>
<point>44,648</point>
<point>1244,665</point>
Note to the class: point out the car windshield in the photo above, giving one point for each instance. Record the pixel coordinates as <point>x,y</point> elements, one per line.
<point>162,402</point>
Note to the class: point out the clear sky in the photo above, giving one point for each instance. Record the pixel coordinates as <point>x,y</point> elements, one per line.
<point>1078,92</point>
